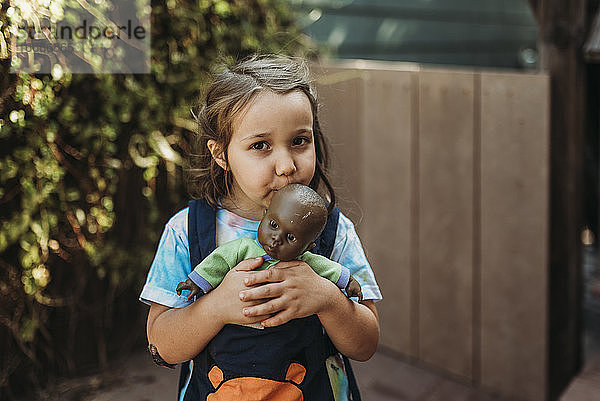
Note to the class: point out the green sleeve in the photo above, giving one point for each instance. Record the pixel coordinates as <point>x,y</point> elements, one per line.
<point>327,268</point>
<point>210,272</point>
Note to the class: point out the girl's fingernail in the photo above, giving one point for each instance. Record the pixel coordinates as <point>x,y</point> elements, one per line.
<point>259,258</point>
<point>246,280</point>
<point>242,296</point>
<point>246,312</point>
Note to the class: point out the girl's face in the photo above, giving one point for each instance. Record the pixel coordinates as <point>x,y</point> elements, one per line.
<point>272,145</point>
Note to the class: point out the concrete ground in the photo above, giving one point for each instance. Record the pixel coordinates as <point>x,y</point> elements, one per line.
<point>383,378</point>
<point>586,386</point>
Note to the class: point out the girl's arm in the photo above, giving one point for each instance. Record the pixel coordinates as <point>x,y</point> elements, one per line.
<point>294,290</point>
<point>180,334</point>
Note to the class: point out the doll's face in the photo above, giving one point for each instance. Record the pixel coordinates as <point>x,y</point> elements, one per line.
<point>285,232</point>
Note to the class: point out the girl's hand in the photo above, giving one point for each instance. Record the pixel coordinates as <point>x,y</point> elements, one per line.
<point>291,290</point>
<point>228,302</point>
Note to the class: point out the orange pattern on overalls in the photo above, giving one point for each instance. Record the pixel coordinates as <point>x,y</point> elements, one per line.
<point>256,388</point>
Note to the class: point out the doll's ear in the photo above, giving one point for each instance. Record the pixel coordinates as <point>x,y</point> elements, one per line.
<point>217,153</point>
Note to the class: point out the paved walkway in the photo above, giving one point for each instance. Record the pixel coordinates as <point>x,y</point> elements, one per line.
<point>586,386</point>
<point>383,378</point>
<point>388,378</point>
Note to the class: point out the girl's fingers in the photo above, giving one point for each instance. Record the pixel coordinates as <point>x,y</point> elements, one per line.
<point>265,291</point>
<point>277,320</point>
<point>266,310</point>
<point>257,319</point>
<point>249,264</point>
<point>263,276</point>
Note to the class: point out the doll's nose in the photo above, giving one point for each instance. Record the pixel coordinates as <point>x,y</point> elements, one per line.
<point>275,240</point>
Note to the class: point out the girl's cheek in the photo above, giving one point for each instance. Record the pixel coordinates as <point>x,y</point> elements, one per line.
<point>308,171</point>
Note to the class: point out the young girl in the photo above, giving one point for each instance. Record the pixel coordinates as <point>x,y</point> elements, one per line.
<point>258,131</point>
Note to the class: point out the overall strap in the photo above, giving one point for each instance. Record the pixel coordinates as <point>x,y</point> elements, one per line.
<point>201,230</point>
<point>326,241</point>
<point>201,242</point>
<point>324,247</point>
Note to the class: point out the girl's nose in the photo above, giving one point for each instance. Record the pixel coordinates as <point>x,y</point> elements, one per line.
<point>285,165</point>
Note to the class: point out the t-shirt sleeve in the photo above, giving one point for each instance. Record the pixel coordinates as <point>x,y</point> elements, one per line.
<point>348,252</point>
<point>171,265</point>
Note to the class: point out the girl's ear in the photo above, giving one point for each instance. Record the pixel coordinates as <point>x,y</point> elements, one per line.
<point>217,153</point>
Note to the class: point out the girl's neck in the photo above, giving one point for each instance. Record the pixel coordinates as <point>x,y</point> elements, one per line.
<point>235,207</point>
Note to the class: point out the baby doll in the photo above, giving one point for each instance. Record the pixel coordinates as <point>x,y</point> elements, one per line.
<point>287,231</point>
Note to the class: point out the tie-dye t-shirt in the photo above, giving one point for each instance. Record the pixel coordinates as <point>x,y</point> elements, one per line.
<point>172,265</point>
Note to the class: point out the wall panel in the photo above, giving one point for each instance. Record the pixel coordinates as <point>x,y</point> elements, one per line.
<point>445,243</point>
<point>386,144</point>
<point>514,233</point>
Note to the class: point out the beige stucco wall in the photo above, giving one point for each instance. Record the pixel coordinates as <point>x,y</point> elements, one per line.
<point>446,175</point>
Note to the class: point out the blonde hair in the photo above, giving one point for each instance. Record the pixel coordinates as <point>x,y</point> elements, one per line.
<point>231,90</point>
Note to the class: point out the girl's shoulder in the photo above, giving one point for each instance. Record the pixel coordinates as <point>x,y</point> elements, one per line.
<point>179,222</point>
<point>345,227</point>
<point>178,225</point>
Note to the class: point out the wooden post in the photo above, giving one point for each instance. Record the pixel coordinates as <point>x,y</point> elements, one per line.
<point>562,29</point>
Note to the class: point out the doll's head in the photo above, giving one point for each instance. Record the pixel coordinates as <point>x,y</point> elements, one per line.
<point>225,101</point>
<point>293,221</point>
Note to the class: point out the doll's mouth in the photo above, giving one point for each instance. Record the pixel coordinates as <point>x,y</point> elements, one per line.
<point>271,250</point>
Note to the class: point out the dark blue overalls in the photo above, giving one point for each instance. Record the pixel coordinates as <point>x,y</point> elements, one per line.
<point>269,354</point>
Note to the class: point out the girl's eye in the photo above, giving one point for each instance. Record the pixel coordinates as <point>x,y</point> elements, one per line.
<point>262,145</point>
<point>291,238</point>
<point>274,225</point>
<point>301,140</point>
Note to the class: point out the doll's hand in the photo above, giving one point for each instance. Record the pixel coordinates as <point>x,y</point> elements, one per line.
<point>229,304</point>
<point>190,286</point>
<point>291,289</point>
<point>353,289</point>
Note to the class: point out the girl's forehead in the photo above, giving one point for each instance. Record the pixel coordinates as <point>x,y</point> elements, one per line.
<point>267,109</point>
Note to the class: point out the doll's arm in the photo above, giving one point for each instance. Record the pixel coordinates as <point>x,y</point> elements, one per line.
<point>334,272</point>
<point>210,272</point>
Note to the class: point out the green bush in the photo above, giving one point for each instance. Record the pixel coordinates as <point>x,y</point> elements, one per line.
<point>90,169</point>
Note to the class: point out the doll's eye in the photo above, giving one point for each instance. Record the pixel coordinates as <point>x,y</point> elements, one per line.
<point>291,238</point>
<point>273,224</point>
